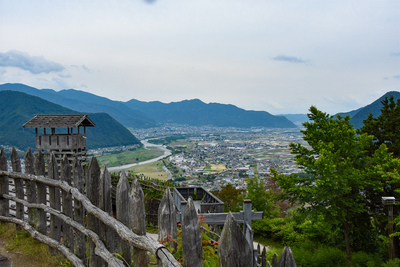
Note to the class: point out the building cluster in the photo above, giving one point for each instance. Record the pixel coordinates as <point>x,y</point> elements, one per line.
<point>242,154</point>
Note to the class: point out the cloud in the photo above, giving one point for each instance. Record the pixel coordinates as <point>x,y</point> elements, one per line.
<point>23,60</point>
<point>396,77</point>
<point>288,59</point>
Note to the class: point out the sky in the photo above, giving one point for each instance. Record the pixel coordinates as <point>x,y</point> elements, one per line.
<point>276,56</point>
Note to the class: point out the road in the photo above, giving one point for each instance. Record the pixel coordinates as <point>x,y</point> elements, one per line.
<point>146,144</point>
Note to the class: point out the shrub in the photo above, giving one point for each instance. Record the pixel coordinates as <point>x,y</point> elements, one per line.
<point>363,259</point>
<point>322,256</point>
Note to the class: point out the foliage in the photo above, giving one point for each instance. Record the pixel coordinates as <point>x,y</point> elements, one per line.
<point>319,256</point>
<point>262,200</point>
<point>385,128</point>
<point>232,198</point>
<point>338,169</point>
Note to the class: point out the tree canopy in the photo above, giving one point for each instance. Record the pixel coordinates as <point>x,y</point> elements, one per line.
<point>339,170</point>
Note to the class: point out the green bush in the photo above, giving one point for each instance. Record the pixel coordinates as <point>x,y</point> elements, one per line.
<point>322,256</point>
<point>363,259</point>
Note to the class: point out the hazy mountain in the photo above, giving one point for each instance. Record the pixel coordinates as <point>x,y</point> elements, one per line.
<point>87,103</point>
<point>197,113</point>
<point>138,114</point>
<point>297,119</point>
<point>17,108</point>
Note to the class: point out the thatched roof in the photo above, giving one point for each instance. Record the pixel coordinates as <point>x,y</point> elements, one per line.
<point>59,121</point>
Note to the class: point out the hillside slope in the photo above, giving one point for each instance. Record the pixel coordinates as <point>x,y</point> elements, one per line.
<point>16,108</point>
<point>138,114</point>
<point>87,103</point>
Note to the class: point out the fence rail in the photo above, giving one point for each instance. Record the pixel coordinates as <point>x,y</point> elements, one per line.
<point>81,212</point>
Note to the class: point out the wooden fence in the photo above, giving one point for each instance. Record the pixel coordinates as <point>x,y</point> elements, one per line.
<point>80,207</point>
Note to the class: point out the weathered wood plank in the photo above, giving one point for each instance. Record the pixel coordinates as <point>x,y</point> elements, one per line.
<point>55,201</point>
<point>41,194</point>
<point>101,250</point>
<point>68,235</point>
<point>143,242</point>
<point>220,218</point>
<point>18,184</point>
<point>287,259</point>
<point>92,191</point>
<point>167,229</point>
<point>79,213</point>
<point>234,250</point>
<point>30,187</point>
<point>122,205</point>
<point>192,249</point>
<point>138,220</point>
<point>4,203</point>
<point>105,188</point>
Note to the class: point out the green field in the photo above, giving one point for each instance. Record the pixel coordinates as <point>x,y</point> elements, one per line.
<point>128,157</point>
<point>153,170</point>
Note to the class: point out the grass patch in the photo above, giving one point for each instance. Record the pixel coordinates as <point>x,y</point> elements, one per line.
<point>128,156</point>
<point>215,168</point>
<point>153,170</point>
<point>26,251</point>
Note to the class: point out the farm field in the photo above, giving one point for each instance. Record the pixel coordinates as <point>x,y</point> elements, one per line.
<point>128,156</point>
<point>153,170</point>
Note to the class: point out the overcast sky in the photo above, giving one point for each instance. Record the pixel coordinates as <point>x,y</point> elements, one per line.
<point>277,56</point>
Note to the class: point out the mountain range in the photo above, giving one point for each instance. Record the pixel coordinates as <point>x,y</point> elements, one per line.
<point>19,102</point>
<point>139,114</point>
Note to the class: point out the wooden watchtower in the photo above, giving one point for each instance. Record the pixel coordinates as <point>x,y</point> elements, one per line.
<point>69,139</point>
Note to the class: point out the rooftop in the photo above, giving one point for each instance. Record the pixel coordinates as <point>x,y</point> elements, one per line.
<point>59,121</point>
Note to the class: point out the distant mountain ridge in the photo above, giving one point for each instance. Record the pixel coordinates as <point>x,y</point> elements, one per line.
<point>139,114</point>
<point>359,115</point>
<point>16,108</point>
<point>197,113</point>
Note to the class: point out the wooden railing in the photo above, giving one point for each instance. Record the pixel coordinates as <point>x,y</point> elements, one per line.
<point>79,205</point>
<point>67,206</point>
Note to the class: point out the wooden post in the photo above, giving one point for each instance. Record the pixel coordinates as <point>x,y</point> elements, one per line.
<point>138,221</point>
<point>41,194</point>
<point>19,185</point>
<point>183,209</point>
<point>191,237</point>
<point>106,235</point>
<point>234,250</point>
<point>122,203</point>
<point>4,203</point>
<point>55,202</point>
<point>287,259</point>
<point>68,235</point>
<point>30,187</point>
<point>247,211</point>
<point>167,219</point>
<point>79,213</point>
<point>92,191</point>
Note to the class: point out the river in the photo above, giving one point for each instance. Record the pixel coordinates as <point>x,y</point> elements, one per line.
<point>146,144</point>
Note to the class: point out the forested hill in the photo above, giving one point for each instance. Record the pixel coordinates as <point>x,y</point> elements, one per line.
<point>197,113</point>
<point>17,108</point>
<point>87,103</point>
<point>139,114</point>
<point>359,115</point>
